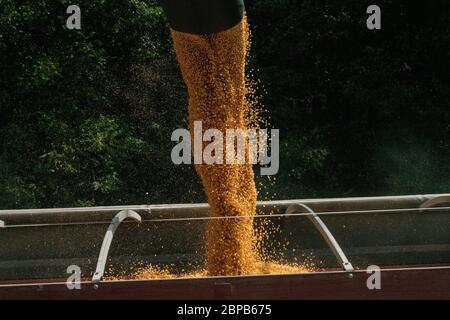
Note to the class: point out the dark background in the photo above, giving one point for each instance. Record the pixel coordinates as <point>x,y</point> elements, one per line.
<point>86,116</point>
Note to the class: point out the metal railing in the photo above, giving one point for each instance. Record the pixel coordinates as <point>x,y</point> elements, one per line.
<point>311,208</point>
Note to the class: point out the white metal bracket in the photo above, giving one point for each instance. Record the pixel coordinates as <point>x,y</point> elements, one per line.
<point>325,232</point>
<point>103,256</point>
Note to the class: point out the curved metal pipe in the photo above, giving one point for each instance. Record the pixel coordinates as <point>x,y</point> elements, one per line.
<point>436,201</point>
<point>325,232</point>
<point>103,256</point>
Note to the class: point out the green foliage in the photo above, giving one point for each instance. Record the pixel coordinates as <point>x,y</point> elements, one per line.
<point>70,132</point>
<point>86,115</point>
<point>376,102</point>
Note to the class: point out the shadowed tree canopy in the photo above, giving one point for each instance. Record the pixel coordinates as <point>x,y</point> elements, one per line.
<point>87,115</point>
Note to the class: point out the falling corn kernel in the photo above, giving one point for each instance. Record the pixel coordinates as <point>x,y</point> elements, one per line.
<point>222,97</point>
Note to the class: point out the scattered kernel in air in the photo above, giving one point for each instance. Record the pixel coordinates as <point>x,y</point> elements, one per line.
<point>223,96</point>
